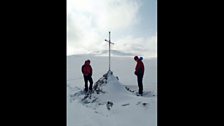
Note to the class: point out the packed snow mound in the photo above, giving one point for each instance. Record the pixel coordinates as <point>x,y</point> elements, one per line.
<point>106,91</point>
<point>111,88</point>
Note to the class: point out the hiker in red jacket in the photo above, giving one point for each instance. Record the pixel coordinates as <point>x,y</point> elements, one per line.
<point>87,74</point>
<point>139,72</point>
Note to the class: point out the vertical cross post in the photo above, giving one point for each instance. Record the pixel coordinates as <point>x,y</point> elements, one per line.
<point>109,48</point>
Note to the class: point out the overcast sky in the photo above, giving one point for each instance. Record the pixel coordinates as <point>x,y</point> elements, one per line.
<point>133,26</point>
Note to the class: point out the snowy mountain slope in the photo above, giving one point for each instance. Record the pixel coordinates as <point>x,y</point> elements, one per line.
<point>127,109</point>
<point>113,53</point>
<point>123,67</point>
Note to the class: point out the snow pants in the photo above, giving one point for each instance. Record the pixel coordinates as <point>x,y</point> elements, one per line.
<point>140,85</point>
<point>86,79</point>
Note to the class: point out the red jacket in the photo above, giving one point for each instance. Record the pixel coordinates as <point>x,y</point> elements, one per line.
<point>87,69</point>
<point>139,69</point>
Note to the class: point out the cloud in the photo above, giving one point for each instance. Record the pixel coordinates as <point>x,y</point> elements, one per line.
<point>145,46</point>
<point>88,23</point>
<point>105,14</point>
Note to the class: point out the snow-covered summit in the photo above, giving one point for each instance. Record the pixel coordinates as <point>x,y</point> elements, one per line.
<point>113,101</point>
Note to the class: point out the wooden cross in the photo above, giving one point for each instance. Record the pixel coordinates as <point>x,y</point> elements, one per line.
<point>109,48</point>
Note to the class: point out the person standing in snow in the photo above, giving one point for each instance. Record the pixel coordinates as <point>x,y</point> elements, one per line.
<point>139,72</point>
<point>87,74</point>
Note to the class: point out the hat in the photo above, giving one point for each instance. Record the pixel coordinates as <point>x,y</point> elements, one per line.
<point>136,57</point>
<point>87,61</point>
<point>141,58</point>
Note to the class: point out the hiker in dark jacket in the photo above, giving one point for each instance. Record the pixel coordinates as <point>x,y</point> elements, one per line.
<point>139,72</point>
<point>87,74</point>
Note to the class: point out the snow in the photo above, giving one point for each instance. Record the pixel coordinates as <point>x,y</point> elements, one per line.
<point>127,109</point>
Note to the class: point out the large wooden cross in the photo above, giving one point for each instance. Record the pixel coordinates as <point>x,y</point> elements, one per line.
<point>109,48</point>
